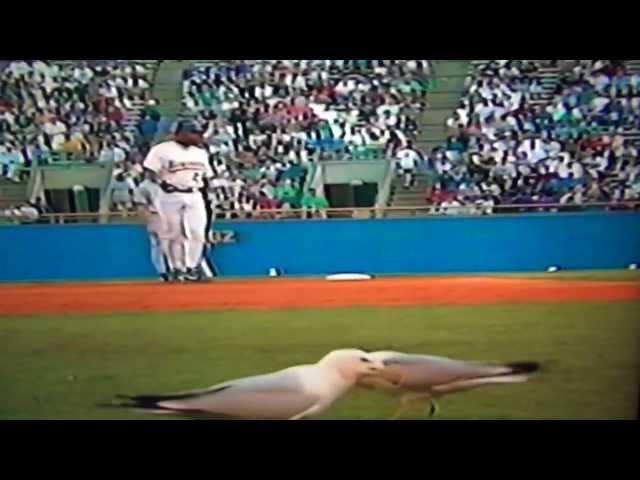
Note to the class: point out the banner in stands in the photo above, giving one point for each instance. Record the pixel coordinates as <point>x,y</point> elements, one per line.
<point>507,243</point>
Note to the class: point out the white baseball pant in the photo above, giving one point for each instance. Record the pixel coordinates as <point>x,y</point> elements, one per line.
<point>185,219</point>
<point>155,226</point>
<point>157,253</point>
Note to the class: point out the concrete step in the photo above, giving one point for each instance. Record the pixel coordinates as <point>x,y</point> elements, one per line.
<point>12,193</point>
<point>405,195</point>
<point>168,86</point>
<point>432,130</point>
<point>439,116</point>
<point>400,202</point>
<point>396,214</point>
<point>437,99</point>
<point>418,189</point>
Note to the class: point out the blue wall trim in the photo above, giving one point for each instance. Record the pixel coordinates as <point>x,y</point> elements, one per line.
<point>317,247</point>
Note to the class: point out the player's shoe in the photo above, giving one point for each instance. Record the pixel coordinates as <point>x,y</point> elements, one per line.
<point>164,277</point>
<point>191,275</point>
<point>177,276</point>
<point>196,275</point>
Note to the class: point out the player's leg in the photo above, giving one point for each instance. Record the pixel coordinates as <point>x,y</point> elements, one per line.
<point>160,242</point>
<point>171,210</point>
<point>165,246</point>
<point>205,268</point>
<point>195,222</point>
<point>178,247</point>
<point>178,250</point>
<point>157,256</point>
<point>156,227</point>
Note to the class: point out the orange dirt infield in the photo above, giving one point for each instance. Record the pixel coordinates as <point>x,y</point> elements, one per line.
<point>301,293</point>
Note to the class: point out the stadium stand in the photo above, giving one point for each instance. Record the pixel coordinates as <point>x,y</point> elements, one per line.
<point>56,113</point>
<point>268,122</point>
<point>447,88</point>
<point>522,132</point>
<point>533,132</point>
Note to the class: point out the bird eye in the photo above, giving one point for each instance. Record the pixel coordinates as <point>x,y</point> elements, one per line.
<point>366,360</point>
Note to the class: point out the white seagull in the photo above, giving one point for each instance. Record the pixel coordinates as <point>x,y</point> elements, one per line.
<point>418,377</point>
<point>293,393</point>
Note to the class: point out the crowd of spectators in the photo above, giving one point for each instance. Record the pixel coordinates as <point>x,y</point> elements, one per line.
<point>73,110</point>
<point>511,144</point>
<point>266,121</point>
<point>511,141</point>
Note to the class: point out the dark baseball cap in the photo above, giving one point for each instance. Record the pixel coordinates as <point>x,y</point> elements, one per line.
<point>188,126</point>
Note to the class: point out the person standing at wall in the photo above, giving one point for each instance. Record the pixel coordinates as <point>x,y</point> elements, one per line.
<point>146,198</point>
<point>122,189</point>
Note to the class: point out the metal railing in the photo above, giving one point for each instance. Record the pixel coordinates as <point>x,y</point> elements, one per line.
<point>423,211</point>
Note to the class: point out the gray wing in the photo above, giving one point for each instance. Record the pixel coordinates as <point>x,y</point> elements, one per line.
<point>277,395</point>
<point>423,372</point>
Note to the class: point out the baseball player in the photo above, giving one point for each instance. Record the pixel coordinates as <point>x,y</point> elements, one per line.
<point>146,198</point>
<point>181,167</point>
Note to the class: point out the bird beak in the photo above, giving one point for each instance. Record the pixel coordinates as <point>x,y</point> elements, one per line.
<point>377,366</point>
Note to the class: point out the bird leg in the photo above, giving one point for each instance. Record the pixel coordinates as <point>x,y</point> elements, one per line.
<point>403,406</point>
<point>433,407</point>
<point>406,400</point>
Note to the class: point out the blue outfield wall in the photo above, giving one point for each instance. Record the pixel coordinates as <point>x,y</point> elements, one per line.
<point>511,243</point>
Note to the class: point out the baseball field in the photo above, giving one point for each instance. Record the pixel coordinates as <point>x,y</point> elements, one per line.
<point>68,347</point>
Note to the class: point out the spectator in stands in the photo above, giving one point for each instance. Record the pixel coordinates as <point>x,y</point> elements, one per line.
<point>11,160</point>
<point>147,127</point>
<point>507,102</point>
<point>22,213</point>
<point>297,114</point>
<point>50,109</point>
<point>122,189</point>
<point>409,159</point>
<point>288,193</point>
<point>314,205</point>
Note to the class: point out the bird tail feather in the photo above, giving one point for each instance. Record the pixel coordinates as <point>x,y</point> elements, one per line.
<point>478,382</point>
<point>159,403</point>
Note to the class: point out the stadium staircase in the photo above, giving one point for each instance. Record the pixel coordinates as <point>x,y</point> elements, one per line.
<point>168,87</point>
<point>449,78</point>
<point>12,193</point>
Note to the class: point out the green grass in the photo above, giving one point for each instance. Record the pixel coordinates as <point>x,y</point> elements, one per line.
<point>589,275</point>
<point>61,367</point>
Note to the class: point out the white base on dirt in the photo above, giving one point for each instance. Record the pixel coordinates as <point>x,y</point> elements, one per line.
<point>348,276</point>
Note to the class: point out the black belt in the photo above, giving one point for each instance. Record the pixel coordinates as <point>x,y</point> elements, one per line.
<point>168,188</point>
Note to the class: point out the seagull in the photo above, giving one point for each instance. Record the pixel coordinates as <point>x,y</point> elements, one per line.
<point>418,377</point>
<point>293,393</point>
